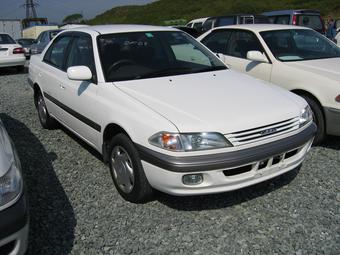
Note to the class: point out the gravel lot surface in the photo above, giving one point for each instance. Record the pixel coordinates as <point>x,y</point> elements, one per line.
<point>75,209</point>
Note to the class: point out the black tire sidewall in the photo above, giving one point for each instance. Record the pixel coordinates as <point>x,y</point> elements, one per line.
<point>141,191</point>
<point>50,122</point>
<point>319,119</point>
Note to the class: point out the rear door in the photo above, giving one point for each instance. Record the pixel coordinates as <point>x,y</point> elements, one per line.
<point>52,74</point>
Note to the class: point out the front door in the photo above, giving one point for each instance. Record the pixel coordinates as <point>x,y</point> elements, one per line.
<point>80,97</point>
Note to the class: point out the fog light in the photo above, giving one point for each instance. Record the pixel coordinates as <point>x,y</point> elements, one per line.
<point>192,179</point>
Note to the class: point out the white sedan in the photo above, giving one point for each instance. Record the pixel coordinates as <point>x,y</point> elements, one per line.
<point>11,53</point>
<point>166,113</point>
<point>296,58</point>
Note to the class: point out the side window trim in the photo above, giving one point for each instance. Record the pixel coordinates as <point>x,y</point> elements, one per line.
<point>218,31</point>
<point>76,36</point>
<point>257,39</point>
<point>49,51</point>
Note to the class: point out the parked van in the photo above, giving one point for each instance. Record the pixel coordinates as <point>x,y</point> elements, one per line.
<point>197,23</point>
<point>305,18</point>
<point>233,20</point>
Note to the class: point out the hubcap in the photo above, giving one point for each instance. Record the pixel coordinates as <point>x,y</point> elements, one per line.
<point>42,109</point>
<point>122,169</point>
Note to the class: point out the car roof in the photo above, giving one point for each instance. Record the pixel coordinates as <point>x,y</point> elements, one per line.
<point>261,27</point>
<point>112,29</point>
<point>198,20</point>
<point>299,11</point>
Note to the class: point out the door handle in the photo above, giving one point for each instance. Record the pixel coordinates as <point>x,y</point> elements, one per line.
<point>62,87</point>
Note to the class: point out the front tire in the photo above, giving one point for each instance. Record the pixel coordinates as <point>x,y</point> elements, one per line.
<point>318,119</point>
<point>45,119</point>
<point>127,171</point>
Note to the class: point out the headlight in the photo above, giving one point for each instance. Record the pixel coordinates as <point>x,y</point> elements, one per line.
<point>10,185</point>
<point>189,141</point>
<point>306,116</point>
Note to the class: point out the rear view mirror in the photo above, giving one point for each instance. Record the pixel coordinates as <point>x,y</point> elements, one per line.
<point>257,56</point>
<point>79,73</point>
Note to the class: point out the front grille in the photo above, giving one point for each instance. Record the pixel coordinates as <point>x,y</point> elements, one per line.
<point>264,132</point>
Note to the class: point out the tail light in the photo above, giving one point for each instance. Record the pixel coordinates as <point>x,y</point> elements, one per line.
<point>18,51</point>
<point>294,20</point>
<point>337,99</point>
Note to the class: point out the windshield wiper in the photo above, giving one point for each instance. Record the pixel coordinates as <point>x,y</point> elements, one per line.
<point>165,72</point>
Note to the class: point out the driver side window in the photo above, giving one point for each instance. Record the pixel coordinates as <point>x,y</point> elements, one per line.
<point>241,42</point>
<point>81,54</point>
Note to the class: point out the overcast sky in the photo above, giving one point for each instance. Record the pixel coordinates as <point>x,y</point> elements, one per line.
<point>57,10</point>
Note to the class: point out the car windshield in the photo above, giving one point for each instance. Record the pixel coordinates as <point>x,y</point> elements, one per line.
<point>6,39</point>
<point>139,55</point>
<point>299,44</point>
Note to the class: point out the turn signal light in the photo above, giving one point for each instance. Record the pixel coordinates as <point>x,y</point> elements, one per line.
<point>337,99</point>
<point>18,51</point>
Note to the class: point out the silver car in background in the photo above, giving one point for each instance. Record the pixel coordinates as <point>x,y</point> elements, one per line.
<point>13,204</point>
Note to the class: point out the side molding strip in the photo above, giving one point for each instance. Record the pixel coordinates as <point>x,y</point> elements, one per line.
<point>75,114</point>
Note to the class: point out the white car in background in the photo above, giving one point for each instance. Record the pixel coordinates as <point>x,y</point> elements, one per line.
<point>166,113</point>
<point>296,58</point>
<point>197,24</point>
<point>11,53</point>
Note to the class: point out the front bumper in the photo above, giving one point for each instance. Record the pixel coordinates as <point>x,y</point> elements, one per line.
<point>14,228</point>
<point>226,171</point>
<point>332,121</point>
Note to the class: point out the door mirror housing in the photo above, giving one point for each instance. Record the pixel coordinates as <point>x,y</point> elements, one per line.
<point>79,73</point>
<point>221,57</point>
<point>257,56</point>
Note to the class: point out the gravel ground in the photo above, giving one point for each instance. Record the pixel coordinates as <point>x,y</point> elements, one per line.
<point>75,209</point>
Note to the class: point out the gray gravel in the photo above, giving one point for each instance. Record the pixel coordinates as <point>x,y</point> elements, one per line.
<point>75,208</point>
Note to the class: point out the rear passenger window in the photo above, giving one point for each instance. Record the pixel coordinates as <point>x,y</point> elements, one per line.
<point>241,42</point>
<point>55,55</point>
<point>282,20</point>
<point>311,21</point>
<point>217,40</point>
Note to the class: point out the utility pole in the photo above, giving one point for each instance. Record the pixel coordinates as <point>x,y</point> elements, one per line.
<point>30,9</point>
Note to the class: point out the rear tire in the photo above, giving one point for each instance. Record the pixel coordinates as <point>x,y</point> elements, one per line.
<point>127,171</point>
<point>45,119</point>
<point>318,119</point>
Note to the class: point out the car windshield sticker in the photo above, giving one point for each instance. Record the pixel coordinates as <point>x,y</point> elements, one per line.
<point>149,35</point>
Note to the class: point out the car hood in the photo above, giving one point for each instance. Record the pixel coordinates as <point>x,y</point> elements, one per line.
<point>221,101</point>
<point>330,67</point>
<point>6,151</point>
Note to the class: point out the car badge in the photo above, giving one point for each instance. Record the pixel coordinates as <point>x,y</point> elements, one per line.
<point>268,131</point>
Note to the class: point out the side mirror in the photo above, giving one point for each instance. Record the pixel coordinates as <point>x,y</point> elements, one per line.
<point>79,73</point>
<point>257,56</point>
<point>221,57</point>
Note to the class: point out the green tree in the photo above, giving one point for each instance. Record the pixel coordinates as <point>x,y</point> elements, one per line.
<point>73,18</point>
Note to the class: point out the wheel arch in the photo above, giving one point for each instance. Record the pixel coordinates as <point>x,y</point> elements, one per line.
<point>36,90</point>
<point>109,132</point>
<point>302,92</point>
